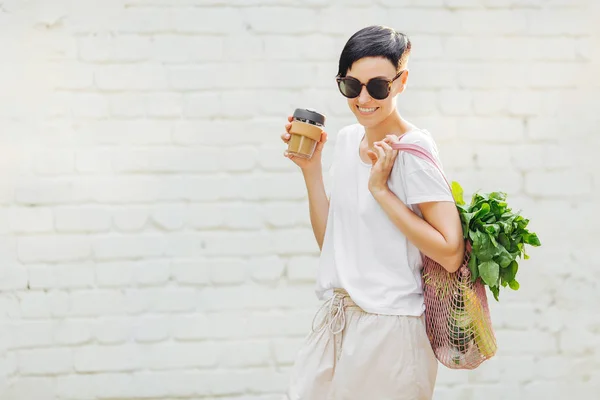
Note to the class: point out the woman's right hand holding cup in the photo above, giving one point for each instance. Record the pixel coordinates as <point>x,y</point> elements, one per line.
<point>306,164</point>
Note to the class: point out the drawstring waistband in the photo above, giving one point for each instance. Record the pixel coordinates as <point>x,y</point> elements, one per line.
<point>336,306</point>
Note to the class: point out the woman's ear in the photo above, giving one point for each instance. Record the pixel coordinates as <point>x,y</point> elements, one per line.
<point>400,83</point>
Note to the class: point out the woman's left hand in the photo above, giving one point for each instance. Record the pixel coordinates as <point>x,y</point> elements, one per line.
<point>382,159</point>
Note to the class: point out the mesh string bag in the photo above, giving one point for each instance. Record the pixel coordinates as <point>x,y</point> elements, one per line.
<point>457,316</point>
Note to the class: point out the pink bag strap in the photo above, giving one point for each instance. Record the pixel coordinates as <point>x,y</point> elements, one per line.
<point>422,153</point>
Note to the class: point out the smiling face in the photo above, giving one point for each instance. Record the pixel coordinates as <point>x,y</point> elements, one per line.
<point>369,111</point>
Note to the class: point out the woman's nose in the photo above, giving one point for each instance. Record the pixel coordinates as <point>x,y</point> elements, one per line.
<point>364,96</point>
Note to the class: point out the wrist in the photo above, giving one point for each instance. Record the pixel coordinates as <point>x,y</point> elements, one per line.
<point>379,193</point>
<point>313,170</point>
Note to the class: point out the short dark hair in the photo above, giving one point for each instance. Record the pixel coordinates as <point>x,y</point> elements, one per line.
<point>375,41</point>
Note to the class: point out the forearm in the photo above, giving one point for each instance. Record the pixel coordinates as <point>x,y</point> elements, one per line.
<point>447,251</point>
<point>318,203</point>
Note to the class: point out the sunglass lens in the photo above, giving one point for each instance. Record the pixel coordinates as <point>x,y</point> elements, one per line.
<point>349,87</point>
<point>378,88</point>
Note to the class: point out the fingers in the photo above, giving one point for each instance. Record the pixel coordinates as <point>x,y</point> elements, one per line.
<point>391,138</point>
<point>321,142</point>
<point>390,153</point>
<point>324,137</point>
<point>380,152</point>
<point>285,137</point>
<point>288,127</point>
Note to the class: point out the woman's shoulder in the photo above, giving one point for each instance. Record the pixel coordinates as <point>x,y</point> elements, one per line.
<point>420,137</point>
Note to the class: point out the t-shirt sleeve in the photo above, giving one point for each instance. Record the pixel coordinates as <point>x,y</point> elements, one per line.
<point>423,181</point>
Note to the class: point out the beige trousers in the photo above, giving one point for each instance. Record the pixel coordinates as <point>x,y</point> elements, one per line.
<point>355,355</point>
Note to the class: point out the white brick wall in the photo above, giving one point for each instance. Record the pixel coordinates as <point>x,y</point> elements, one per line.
<point>155,244</point>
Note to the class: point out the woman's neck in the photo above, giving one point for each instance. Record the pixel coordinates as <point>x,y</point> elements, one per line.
<point>393,125</point>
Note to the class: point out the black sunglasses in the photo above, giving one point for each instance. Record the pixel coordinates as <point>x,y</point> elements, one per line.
<point>378,88</point>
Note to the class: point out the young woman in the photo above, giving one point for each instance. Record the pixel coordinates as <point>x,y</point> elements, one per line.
<point>383,210</point>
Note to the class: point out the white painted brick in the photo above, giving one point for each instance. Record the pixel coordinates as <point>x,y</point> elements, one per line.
<point>245,354</point>
<point>302,269</point>
<point>126,105</point>
<point>266,269</point>
<point>251,48</point>
<point>142,273</point>
<point>418,102</point>
<point>136,189</point>
<point>72,75</point>
<point>31,334</point>
<point>497,21</point>
<point>226,215</point>
<point>182,49</point>
<point>87,105</point>
<point>39,388</point>
<point>253,297</point>
<point>227,271</point>
<point>107,358</point>
<point>106,48</point>
<point>454,102</point>
<point>112,330</point>
<point>165,300</point>
<point>217,20</point>
<point>280,20</point>
<point>97,303</point>
<point>537,156</point>
<point>286,350</point>
<point>430,75</point>
<point>162,105</point>
<point>82,219</point>
<point>190,272</point>
<point>239,159</point>
<point>152,329</point>
<point>560,21</point>
<point>457,4</point>
<point>30,219</point>
<point>543,75</point>
<point>78,386</point>
<point>131,77</point>
<point>93,161</point>
<point>131,218</point>
<point>13,278</point>
<point>492,156</point>
<point>72,332</point>
<point>53,248</point>
<point>286,214</point>
<point>45,361</point>
<point>315,47</point>
<point>495,76</point>
<point>42,305</point>
<point>560,183</point>
<point>494,130</point>
<point>191,327</point>
<point>54,162</point>
<point>165,160</point>
<point>202,105</point>
<point>78,275</point>
<point>527,342</point>
<point>38,192</point>
<point>179,355</point>
<point>116,247</point>
<point>577,342</point>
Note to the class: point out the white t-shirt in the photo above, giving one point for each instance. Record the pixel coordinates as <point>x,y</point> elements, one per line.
<point>363,251</point>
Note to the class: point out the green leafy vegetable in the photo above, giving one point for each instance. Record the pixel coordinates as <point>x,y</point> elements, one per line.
<point>498,237</point>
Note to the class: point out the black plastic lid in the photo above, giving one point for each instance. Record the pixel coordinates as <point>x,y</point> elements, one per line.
<point>310,115</point>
